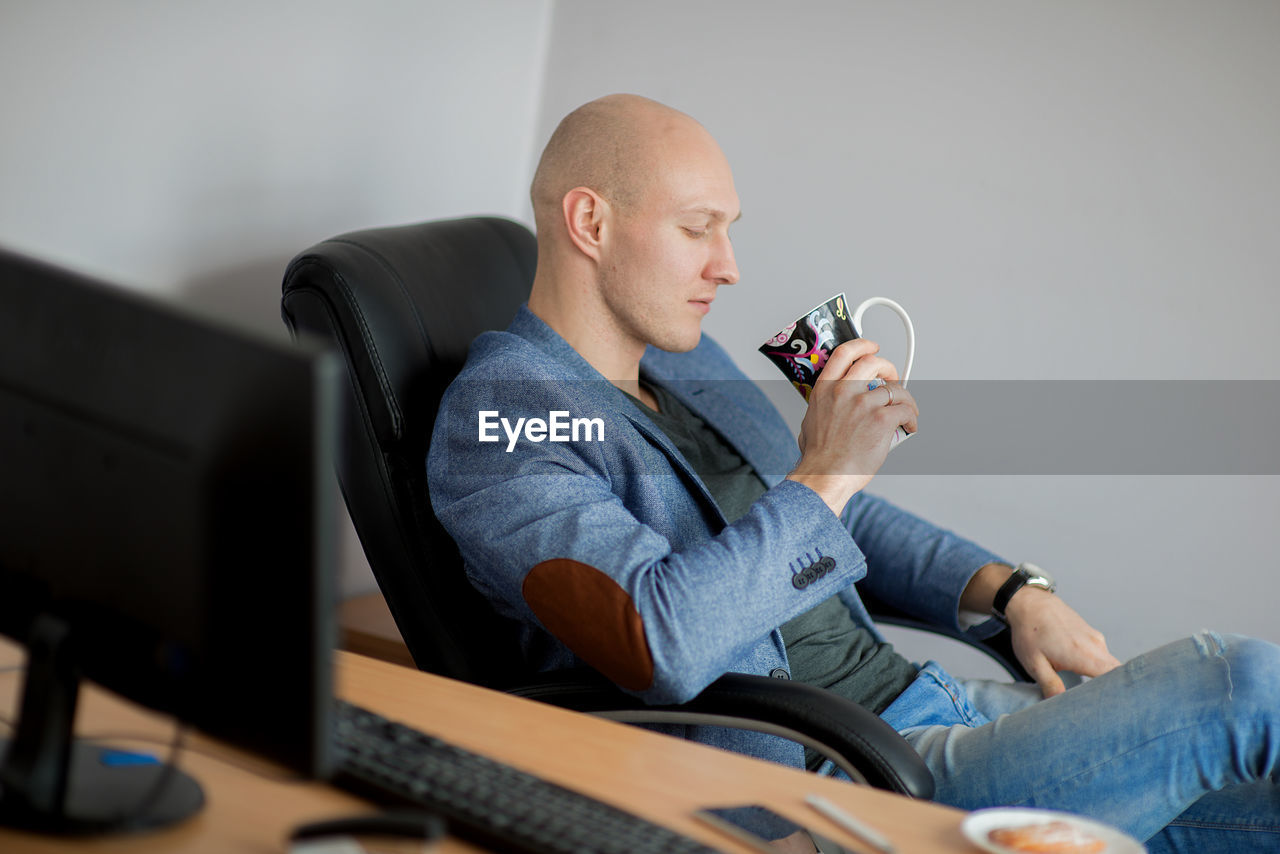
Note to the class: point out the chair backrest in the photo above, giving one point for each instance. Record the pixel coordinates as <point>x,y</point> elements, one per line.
<point>403,304</point>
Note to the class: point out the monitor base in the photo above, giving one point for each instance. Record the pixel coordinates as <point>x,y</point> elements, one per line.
<point>109,790</point>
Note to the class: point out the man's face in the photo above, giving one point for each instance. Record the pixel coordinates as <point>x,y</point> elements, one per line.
<point>669,251</point>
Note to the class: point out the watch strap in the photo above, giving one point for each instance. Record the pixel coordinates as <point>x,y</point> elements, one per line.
<point>1023,574</point>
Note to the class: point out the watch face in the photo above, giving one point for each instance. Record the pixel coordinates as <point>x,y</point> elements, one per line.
<point>1037,577</point>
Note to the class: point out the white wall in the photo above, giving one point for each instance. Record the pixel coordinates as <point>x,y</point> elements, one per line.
<point>174,146</point>
<point>1055,190</point>
<point>191,149</point>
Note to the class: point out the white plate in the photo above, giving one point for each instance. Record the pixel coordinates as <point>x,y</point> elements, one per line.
<point>978,824</point>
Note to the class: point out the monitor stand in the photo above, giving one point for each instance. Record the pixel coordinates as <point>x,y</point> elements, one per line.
<point>51,782</point>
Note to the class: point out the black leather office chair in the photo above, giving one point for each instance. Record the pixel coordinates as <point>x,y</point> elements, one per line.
<point>402,304</point>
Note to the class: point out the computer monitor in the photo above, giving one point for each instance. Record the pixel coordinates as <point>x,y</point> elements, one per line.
<point>165,532</point>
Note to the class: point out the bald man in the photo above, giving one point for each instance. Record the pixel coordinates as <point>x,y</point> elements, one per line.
<point>631,501</point>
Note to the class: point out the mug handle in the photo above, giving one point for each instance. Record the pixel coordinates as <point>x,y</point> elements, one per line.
<point>856,321</point>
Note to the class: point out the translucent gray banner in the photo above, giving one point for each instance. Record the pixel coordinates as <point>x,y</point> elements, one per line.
<point>1117,427</point>
<point>978,427</point>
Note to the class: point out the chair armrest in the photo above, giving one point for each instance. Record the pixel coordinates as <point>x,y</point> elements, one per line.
<point>998,647</point>
<point>857,741</point>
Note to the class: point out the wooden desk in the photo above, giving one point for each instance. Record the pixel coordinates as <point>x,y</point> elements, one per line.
<point>658,777</point>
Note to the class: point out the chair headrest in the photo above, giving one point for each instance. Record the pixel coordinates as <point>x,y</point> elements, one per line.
<point>405,302</point>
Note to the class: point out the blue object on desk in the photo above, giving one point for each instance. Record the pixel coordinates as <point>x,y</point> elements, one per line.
<point>125,758</point>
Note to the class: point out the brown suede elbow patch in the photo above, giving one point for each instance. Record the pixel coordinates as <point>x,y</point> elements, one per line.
<point>593,616</point>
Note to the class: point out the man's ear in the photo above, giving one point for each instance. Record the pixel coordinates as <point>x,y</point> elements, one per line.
<point>585,212</point>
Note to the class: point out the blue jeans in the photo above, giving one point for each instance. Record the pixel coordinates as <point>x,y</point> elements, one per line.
<point>1179,747</point>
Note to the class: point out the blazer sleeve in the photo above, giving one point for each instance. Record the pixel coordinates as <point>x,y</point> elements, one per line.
<point>915,565</point>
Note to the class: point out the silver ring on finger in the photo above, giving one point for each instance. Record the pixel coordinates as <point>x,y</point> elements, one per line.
<point>889,389</point>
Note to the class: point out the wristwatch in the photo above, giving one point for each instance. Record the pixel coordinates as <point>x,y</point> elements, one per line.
<point>1024,575</point>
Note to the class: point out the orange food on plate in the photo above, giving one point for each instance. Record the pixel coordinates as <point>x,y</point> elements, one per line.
<point>1055,837</point>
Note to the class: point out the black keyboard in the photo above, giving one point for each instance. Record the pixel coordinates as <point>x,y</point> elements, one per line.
<point>485,801</point>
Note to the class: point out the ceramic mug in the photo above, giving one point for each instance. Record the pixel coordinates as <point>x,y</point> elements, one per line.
<point>802,349</point>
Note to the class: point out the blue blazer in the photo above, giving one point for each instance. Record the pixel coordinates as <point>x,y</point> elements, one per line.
<point>578,519</point>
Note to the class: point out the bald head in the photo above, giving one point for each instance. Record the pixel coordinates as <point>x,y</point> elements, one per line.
<point>611,145</point>
<point>633,202</point>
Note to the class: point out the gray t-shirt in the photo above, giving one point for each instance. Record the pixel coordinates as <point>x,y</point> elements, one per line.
<point>825,647</point>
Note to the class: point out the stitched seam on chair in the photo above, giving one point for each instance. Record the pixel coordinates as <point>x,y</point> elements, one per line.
<point>360,401</point>
<point>397,416</point>
<point>404,291</point>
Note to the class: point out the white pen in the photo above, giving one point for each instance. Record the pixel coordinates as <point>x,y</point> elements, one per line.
<point>868,835</point>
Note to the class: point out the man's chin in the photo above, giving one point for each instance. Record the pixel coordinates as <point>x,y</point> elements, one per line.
<point>681,344</point>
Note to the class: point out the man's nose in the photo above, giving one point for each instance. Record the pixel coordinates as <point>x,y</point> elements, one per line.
<point>723,267</point>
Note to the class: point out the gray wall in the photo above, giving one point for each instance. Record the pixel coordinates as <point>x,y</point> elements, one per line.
<point>1054,190</point>
<point>191,149</point>
<point>1081,190</point>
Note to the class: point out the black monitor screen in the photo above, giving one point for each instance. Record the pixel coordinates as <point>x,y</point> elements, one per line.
<point>165,504</point>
